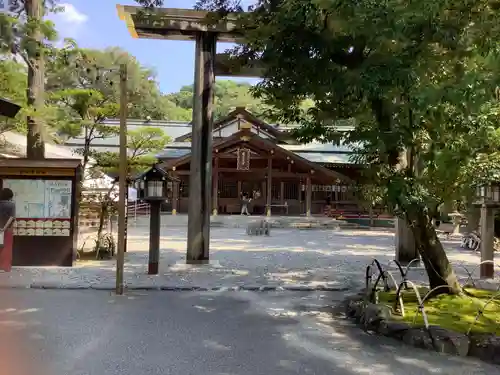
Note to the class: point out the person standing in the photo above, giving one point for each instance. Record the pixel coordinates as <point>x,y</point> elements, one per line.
<point>7,217</point>
<point>328,206</point>
<point>245,201</point>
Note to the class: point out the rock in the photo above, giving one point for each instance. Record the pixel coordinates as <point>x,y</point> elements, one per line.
<point>419,338</point>
<point>258,227</point>
<point>485,347</point>
<point>438,339</point>
<point>449,342</point>
<point>373,314</point>
<point>354,308</point>
<point>358,313</point>
<point>393,329</point>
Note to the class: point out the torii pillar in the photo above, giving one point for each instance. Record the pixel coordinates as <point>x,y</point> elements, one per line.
<point>200,177</point>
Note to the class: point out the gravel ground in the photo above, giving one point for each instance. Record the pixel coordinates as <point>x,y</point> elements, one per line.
<point>290,258</point>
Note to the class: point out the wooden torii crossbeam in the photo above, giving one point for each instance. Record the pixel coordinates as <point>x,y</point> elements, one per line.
<point>183,24</point>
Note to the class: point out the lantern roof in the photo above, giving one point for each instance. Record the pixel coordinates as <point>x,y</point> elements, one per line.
<point>8,108</point>
<point>155,172</point>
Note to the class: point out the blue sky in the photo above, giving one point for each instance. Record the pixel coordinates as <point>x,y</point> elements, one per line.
<point>95,24</point>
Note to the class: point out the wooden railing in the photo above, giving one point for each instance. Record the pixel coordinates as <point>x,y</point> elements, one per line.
<point>137,209</point>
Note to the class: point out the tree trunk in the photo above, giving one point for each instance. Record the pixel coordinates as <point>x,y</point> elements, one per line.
<point>102,216</point>
<point>406,248</point>
<point>35,147</point>
<point>437,265</point>
<point>447,207</point>
<point>473,217</point>
<point>86,150</point>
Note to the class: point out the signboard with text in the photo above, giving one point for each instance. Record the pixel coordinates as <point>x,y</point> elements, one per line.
<point>43,207</point>
<point>46,192</point>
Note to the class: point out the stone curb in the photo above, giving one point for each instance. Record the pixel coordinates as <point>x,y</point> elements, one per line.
<point>376,318</point>
<point>184,288</point>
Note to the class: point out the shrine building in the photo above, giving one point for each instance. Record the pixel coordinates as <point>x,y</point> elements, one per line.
<point>282,177</point>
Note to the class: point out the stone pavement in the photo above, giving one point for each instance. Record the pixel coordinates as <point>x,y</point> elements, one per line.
<point>290,259</point>
<point>78,332</point>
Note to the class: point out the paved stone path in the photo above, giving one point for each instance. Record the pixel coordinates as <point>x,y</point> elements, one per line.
<point>290,259</point>
<point>211,333</point>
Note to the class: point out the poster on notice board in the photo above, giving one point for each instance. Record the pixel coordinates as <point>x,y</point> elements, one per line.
<point>43,207</point>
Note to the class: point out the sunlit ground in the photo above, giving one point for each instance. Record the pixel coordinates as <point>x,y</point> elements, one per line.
<point>243,333</point>
<point>286,257</point>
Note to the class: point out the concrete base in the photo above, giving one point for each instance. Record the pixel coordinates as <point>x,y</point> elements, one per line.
<point>195,263</point>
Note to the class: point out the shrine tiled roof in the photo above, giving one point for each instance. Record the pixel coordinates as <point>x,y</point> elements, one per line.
<point>262,146</point>
<point>315,152</point>
<point>15,144</point>
<point>181,133</point>
<point>326,158</point>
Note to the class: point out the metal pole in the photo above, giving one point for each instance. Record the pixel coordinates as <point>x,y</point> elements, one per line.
<point>122,181</point>
<point>200,177</point>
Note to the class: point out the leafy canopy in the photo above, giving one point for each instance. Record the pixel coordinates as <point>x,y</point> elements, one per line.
<point>416,76</point>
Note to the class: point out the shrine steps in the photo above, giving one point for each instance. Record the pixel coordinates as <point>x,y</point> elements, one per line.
<point>238,221</point>
<point>282,222</point>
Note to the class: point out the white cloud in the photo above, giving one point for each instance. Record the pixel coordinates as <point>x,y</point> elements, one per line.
<point>69,22</point>
<point>71,15</point>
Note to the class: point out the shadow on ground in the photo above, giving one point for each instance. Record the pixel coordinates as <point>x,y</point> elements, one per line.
<point>209,333</point>
<point>336,257</point>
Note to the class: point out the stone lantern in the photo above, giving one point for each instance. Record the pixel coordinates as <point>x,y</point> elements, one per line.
<point>489,200</point>
<point>456,219</point>
<point>154,185</point>
<point>489,193</point>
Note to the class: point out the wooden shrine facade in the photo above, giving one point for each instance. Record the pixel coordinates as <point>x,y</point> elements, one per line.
<point>278,180</point>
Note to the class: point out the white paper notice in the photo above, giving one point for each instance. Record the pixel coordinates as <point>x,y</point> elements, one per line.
<point>37,199</point>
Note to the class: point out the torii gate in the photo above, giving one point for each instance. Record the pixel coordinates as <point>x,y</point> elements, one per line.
<point>189,25</point>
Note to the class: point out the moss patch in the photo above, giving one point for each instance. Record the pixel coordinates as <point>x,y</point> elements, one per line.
<point>451,312</point>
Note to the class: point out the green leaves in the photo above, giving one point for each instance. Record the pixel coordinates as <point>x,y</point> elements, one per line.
<point>228,96</point>
<point>414,76</point>
<point>25,35</point>
<point>143,144</point>
<point>146,141</point>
